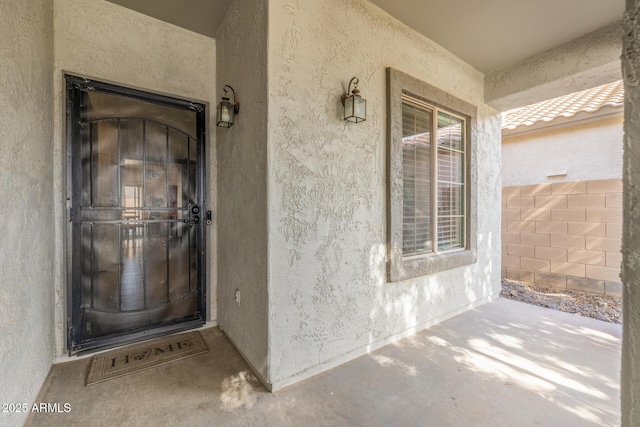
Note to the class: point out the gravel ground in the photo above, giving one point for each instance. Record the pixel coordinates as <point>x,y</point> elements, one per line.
<point>601,307</point>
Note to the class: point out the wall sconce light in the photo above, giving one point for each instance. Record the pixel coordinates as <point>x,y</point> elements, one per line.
<point>355,107</point>
<point>227,110</point>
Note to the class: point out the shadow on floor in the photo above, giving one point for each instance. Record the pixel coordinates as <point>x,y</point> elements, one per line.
<point>502,364</point>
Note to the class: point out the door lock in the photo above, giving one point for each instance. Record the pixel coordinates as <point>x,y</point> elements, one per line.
<point>194,215</point>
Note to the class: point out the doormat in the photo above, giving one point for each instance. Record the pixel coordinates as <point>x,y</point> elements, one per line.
<point>138,357</point>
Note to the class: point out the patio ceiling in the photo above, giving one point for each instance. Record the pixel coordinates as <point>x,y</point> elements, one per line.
<point>488,34</point>
<point>492,34</point>
<point>200,16</point>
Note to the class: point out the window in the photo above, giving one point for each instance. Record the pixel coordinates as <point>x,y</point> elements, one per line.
<point>430,198</point>
<point>433,179</point>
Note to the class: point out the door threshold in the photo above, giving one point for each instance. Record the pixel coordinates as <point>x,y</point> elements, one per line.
<point>65,357</point>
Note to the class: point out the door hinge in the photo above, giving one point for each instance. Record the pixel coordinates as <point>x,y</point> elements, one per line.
<point>70,336</point>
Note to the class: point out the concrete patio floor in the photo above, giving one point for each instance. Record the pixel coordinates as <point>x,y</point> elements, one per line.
<point>502,364</point>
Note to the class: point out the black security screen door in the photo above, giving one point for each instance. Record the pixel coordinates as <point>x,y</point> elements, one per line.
<point>136,207</point>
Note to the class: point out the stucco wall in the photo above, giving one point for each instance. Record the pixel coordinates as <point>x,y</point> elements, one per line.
<point>630,379</point>
<point>329,300</point>
<point>107,42</point>
<point>590,151</point>
<point>242,193</point>
<point>26,172</point>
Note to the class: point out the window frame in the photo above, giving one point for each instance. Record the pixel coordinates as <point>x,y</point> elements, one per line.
<point>401,267</point>
<point>434,168</point>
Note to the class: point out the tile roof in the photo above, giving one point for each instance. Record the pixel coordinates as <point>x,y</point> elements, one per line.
<point>589,100</point>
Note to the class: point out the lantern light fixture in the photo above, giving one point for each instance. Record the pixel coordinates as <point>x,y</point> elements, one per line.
<point>227,110</point>
<point>355,107</point>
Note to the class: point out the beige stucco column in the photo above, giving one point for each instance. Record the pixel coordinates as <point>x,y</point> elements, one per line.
<point>630,380</point>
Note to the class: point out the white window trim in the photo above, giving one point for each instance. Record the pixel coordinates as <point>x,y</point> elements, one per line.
<point>402,267</point>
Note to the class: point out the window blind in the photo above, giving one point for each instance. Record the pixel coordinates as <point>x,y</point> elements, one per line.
<point>416,179</point>
<point>450,182</point>
<point>419,157</point>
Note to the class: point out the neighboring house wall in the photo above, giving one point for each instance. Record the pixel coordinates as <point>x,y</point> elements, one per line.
<point>26,200</point>
<point>101,40</point>
<point>329,298</point>
<point>585,151</point>
<point>564,230</point>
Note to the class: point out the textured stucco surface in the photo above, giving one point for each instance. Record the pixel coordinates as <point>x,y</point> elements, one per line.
<point>242,183</point>
<point>586,152</point>
<point>588,61</point>
<point>26,172</point>
<point>108,42</point>
<point>630,381</point>
<point>329,300</point>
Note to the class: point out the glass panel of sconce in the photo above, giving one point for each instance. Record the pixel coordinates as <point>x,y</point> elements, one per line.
<point>355,107</point>
<point>227,110</point>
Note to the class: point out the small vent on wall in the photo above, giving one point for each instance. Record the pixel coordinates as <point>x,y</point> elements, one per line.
<point>555,174</point>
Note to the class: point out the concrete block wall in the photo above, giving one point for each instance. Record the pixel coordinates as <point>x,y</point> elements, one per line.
<point>564,235</point>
